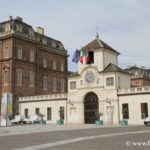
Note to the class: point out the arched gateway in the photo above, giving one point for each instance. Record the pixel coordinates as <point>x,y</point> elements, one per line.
<point>90,108</point>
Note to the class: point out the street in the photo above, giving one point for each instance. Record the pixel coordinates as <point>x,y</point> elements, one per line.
<point>75,137</point>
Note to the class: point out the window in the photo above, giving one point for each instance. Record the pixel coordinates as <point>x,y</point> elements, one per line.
<point>31,32</point>
<point>110,81</point>
<point>44,63</point>
<point>53,44</point>
<point>45,82</point>
<point>54,65</point>
<point>19,53</point>
<point>37,111</point>
<point>61,113</point>
<point>125,111</point>
<point>19,77</point>
<point>19,28</point>
<point>62,66</point>
<point>31,79</point>
<point>54,84</point>
<point>5,77</point>
<point>144,110</point>
<point>89,57</point>
<point>6,52</point>
<point>73,85</point>
<point>49,113</point>
<point>136,73</point>
<point>31,55</point>
<point>7,27</point>
<point>44,41</point>
<point>26,112</point>
<point>62,85</point>
<point>61,47</point>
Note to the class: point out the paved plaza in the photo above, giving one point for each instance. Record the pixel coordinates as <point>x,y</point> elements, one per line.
<point>74,137</point>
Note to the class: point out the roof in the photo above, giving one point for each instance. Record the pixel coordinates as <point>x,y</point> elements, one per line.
<point>96,44</point>
<point>113,68</point>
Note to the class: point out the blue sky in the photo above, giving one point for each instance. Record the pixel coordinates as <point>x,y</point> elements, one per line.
<point>123,24</point>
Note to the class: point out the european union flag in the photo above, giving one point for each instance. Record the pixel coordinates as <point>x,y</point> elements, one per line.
<point>76,56</point>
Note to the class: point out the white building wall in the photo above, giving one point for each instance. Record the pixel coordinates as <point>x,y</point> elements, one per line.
<point>125,82</point>
<point>110,57</point>
<point>42,102</point>
<point>43,105</point>
<point>134,104</point>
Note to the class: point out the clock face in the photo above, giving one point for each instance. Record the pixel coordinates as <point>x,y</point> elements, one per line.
<point>89,77</point>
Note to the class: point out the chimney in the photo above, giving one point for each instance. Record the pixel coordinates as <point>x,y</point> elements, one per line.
<point>40,30</point>
<point>19,18</point>
<point>10,17</point>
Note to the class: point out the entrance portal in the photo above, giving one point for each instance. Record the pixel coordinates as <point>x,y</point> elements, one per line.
<point>90,108</point>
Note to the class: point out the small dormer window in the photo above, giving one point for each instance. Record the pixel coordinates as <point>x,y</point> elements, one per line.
<point>7,27</point>
<point>31,32</point>
<point>61,47</point>
<point>19,28</point>
<point>44,41</point>
<point>53,44</point>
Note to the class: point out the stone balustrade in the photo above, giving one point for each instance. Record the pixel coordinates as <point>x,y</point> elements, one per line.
<point>145,89</point>
<point>44,97</point>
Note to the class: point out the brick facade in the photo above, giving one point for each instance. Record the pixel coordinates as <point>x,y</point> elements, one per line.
<point>14,40</point>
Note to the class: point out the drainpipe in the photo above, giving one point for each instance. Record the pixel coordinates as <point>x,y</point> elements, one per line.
<point>117,98</point>
<point>66,111</point>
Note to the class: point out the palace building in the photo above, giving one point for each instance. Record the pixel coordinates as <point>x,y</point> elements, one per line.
<point>98,87</point>
<point>33,71</point>
<point>93,89</point>
<point>31,63</point>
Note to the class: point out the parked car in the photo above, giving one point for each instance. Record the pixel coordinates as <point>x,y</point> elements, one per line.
<point>147,121</point>
<point>33,119</point>
<point>18,119</point>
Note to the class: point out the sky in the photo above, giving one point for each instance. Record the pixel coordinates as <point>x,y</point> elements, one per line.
<point>122,24</point>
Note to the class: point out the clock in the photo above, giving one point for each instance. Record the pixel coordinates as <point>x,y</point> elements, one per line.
<point>89,77</point>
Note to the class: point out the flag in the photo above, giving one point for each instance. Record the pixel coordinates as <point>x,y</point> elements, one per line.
<point>82,55</point>
<point>87,57</point>
<point>76,56</point>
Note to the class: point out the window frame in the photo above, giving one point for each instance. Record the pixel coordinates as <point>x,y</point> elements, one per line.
<point>62,85</point>
<point>6,52</point>
<point>5,77</point>
<point>19,77</point>
<point>19,53</point>
<point>127,111</point>
<point>32,55</point>
<point>54,84</point>
<point>144,111</point>
<point>31,79</point>
<point>110,81</point>
<point>73,85</point>
<point>45,82</point>
<point>49,113</point>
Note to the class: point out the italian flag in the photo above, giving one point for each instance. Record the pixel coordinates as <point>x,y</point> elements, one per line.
<point>82,55</point>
